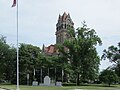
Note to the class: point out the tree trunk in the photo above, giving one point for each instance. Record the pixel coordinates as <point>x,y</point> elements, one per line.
<point>78,79</point>
<point>109,84</point>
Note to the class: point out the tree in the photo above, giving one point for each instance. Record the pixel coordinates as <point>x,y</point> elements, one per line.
<point>108,76</point>
<point>7,60</point>
<point>117,68</point>
<point>29,59</point>
<point>113,54</point>
<point>3,51</point>
<point>82,54</point>
<point>10,65</point>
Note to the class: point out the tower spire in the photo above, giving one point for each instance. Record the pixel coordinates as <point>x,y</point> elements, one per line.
<point>43,48</point>
<point>60,17</point>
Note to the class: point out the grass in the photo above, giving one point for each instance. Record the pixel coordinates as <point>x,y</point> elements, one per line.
<point>88,87</point>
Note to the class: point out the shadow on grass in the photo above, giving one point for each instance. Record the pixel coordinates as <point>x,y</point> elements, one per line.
<point>94,85</point>
<point>98,85</point>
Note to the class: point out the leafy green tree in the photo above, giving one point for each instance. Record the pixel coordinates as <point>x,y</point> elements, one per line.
<point>108,76</point>
<point>10,65</point>
<point>113,54</point>
<point>3,51</point>
<point>29,59</point>
<point>117,68</point>
<point>55,64</point>
<point>7,60</point>
<point>82,54</point>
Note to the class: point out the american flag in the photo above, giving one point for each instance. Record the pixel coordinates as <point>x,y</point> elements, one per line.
<point>14,3</point>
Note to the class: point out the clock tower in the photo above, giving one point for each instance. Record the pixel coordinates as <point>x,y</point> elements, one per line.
<point>62,25</point>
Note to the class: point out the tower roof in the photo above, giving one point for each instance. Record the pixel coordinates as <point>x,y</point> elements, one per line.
<point>60,17</point>
<point>63,17</point>
<point>50,50</point>
<point>68,15</point>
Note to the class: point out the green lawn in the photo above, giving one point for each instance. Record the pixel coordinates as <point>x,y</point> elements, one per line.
<point>90,87</point>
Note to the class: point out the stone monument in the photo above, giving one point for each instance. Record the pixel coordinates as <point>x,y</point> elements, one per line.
<point>58,83</point>
<point>47,81</point>
<point>35,83</point>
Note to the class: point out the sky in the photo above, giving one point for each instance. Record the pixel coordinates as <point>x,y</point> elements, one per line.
<point>38,18</point>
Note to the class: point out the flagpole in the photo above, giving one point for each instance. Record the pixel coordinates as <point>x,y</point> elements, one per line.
<point>17,48</point>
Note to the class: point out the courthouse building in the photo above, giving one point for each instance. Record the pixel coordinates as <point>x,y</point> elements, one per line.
<point>61,33</point>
